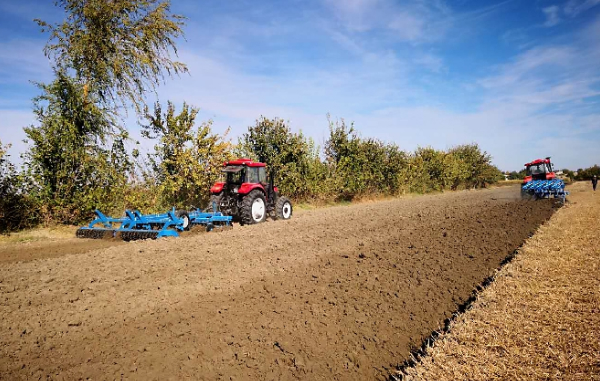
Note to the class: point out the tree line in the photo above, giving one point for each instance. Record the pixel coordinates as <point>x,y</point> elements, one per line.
<point>107,57</point>
<point>64,179</point>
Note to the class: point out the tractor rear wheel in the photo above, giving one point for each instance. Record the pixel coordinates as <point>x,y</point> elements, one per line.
<point>254,208</point>
<point>283,209</point>
<point>185,217</point>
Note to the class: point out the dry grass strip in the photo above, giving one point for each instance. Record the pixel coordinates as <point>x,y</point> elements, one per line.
<point>540,318</point>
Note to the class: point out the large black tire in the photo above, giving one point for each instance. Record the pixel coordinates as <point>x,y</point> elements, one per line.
<point>283,208</point>
<point>215,199</point>
<point>252,206</point>
<point>187,223</point>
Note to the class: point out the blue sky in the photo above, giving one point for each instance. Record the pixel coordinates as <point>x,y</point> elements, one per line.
<point>520,77</point>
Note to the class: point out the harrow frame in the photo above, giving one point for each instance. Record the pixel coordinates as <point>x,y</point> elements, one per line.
<point>546,189</point>
<point>135,225</point>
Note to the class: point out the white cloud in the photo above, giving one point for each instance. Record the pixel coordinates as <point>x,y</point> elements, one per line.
<point>552,15</point>
<point>530,63</point>
<point>356,15</point>
<point>412,21</point>
<point>510,127</point>
<point>431,62</point>
<point>408,27</point>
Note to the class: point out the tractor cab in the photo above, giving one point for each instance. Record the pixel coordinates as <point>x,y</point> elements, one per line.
<point>241,176</point>
<point>540,169</point>
<point>247,194</point>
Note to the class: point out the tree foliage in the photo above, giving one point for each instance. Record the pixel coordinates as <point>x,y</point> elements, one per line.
<point>588,173</point>
<point>16,209</point>
<point>118,49</point>
<point>286,153</point>
<point>353,166</point>
<point>186,160</point>
<point>106,54</point>
<point>76,163</point>
<point>514,175</point>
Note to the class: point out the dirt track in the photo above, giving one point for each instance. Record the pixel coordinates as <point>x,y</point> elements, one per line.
<point>337,293</point>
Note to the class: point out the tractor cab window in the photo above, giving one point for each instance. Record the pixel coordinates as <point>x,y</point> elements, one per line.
<point>252,175</point>
<point>234,174</point>
<point>262,175</point>
<point>537,169</point>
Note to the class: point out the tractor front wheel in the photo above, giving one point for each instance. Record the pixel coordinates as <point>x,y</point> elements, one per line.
<point>283,208</point>
<point>254,208</point>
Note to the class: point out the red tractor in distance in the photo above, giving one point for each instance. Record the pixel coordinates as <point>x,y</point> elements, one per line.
<point>537,172</point>
<point>540,169</point>
<point>247,195</point>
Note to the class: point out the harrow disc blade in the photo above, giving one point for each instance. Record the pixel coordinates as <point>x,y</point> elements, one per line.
<point>152,235</point>
<point>94,233</point>
<point>133,235</point>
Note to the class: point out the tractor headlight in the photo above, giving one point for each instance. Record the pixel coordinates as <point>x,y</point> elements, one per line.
<point>235,190</point>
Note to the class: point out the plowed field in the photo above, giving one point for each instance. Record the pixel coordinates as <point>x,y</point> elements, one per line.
<point>341,293</point>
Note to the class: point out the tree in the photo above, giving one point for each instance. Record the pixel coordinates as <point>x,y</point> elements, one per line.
<point>74,164</point>
<point>362,166</point>
<point>106,54</point>
<point>286,153</point>
<point>186,160</point>
<point>426,170</point>
<point>117,49</point>
<point>588,173</point>
<point>14,209</point>
<point>569,174</point>
<point>478,170</point>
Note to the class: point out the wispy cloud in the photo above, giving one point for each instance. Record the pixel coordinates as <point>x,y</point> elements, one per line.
<point>430,61</point>
<point>575,7</point>
<point>23,60</point>
<point>412,21</point>
<point>552,15</point>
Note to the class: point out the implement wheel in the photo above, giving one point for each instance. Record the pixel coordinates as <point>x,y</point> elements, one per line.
<point>283,209</point>
<point>185,217</point>
<point>254,208</point>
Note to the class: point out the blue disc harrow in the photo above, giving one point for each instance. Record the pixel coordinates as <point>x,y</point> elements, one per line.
<point>545,189</point>
<point>135,225</point>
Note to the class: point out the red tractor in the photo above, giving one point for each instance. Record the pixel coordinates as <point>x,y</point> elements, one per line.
<point>247,195</point>
<point>540,169</point>
<point>538,173</point>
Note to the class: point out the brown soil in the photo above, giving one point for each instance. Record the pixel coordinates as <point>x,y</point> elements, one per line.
<point>539,319</point>
<point>336,293</point>
<point>29,251</point>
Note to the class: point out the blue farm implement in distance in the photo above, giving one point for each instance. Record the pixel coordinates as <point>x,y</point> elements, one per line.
<point>545,189</point>
<point>135,225</point>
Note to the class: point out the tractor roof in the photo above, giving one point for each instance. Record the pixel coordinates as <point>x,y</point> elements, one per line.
<point>538,161</point>
<point>246,162</point>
